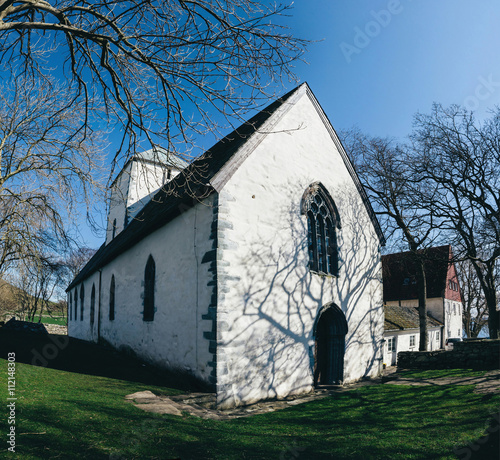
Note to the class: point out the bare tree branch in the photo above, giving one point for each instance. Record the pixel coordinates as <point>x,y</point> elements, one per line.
<point>157,70</point>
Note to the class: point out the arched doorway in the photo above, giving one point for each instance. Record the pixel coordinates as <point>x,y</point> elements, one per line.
<point>330,332</point>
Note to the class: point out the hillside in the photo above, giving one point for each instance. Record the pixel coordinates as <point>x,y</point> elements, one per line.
<point>9,304</point>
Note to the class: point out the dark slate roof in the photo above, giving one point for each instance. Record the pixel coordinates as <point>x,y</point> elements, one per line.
<point>400,318</point>
<point>398,271</point>
<point>192,184</point>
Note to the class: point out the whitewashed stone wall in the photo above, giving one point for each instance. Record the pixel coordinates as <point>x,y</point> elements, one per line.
<point>268,299</point>
<point>117,203</point>
<point>175,339</point>
<point>236,303</point>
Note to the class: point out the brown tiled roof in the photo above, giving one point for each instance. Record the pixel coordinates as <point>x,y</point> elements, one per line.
<point>400,318</point>
<point>399,270</point>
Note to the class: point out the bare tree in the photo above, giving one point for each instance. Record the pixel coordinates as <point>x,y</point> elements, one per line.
<point>34,284</point>
<point>475,312</point>
<point>462,158</point>
<point>76,260</point>
<point>48,173</point>
<point>385,169</point>
<point>153,69</point>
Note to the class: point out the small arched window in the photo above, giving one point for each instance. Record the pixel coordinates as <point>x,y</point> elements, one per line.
<point>92,305</point>
<point>322,222</point>
<point>149,290</point>
<point>82,300</point>
<point>112,299</point>
<point>76,303</point>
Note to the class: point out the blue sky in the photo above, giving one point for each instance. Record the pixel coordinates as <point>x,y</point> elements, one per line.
<point>425,51</point>
<point>379,62</point>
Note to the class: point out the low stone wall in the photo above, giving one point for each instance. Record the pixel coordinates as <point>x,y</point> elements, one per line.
<point>56,329</point>
<point>481,354</point>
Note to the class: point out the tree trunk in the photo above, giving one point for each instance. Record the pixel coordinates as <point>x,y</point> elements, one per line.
<point>490,294</point>
<point>422,303</point>
<point>493,326</point>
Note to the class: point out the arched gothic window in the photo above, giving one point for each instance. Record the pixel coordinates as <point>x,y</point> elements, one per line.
<point>92,305</point>
<point>113,230</point>
<point>149,290</point>
<point>322,224</point>
<point>76,303</point>
<point>112,299</point>
<point>82,299</point>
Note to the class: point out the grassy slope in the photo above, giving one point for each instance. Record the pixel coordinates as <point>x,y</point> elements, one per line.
<point>56,320</point>
<point>8,304</point>
<point>68,415</point>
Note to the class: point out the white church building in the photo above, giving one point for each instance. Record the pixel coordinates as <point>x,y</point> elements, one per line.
<point>256,268</point>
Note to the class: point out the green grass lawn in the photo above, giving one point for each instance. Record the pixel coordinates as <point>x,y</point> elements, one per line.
<point>53,320</point>
<point>47,319</point>
<point>441,373</point>
<point>63,414</point>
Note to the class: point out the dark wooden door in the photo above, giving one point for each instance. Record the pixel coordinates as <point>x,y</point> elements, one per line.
<point>330,348</point>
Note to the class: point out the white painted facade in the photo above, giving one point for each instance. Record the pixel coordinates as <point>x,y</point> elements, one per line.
<point>236,303</point>
<point>408,340</point>
<point>175,338</point>
<point>268,348</point>
<point>449,312</point>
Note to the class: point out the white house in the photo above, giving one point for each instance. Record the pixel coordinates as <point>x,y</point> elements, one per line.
<point>256,269</point>
<point>444,298</point>
<point>402,332</point>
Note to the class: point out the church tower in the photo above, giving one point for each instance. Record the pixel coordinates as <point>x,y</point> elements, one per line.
<point>136,184</point>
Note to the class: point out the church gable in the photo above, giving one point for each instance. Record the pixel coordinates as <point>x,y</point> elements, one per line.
<point>284,259</point>
<point>228,276</point>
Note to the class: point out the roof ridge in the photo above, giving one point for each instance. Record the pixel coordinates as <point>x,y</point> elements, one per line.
<point>192,184</point>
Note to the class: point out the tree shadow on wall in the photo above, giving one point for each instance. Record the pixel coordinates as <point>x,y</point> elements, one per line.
<point>273,336</point>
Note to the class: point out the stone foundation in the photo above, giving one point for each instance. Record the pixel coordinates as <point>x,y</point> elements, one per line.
<point>481,354</point>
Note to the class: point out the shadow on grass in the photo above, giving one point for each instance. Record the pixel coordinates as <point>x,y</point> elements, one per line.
<point>486,447</point>
<point>74,355</point>
<point>77,415</point>
<point>87,417</point>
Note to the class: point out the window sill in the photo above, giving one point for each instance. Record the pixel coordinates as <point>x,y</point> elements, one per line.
<point>324,275</point>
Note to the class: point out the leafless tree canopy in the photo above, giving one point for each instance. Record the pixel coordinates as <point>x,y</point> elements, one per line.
<point>154,69</point>
<point>387,174</point>
<point>34,285</point>
<point>441,187</point>
<point>475,312</point>
<point>461,156</point>
<point>48,172</point>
